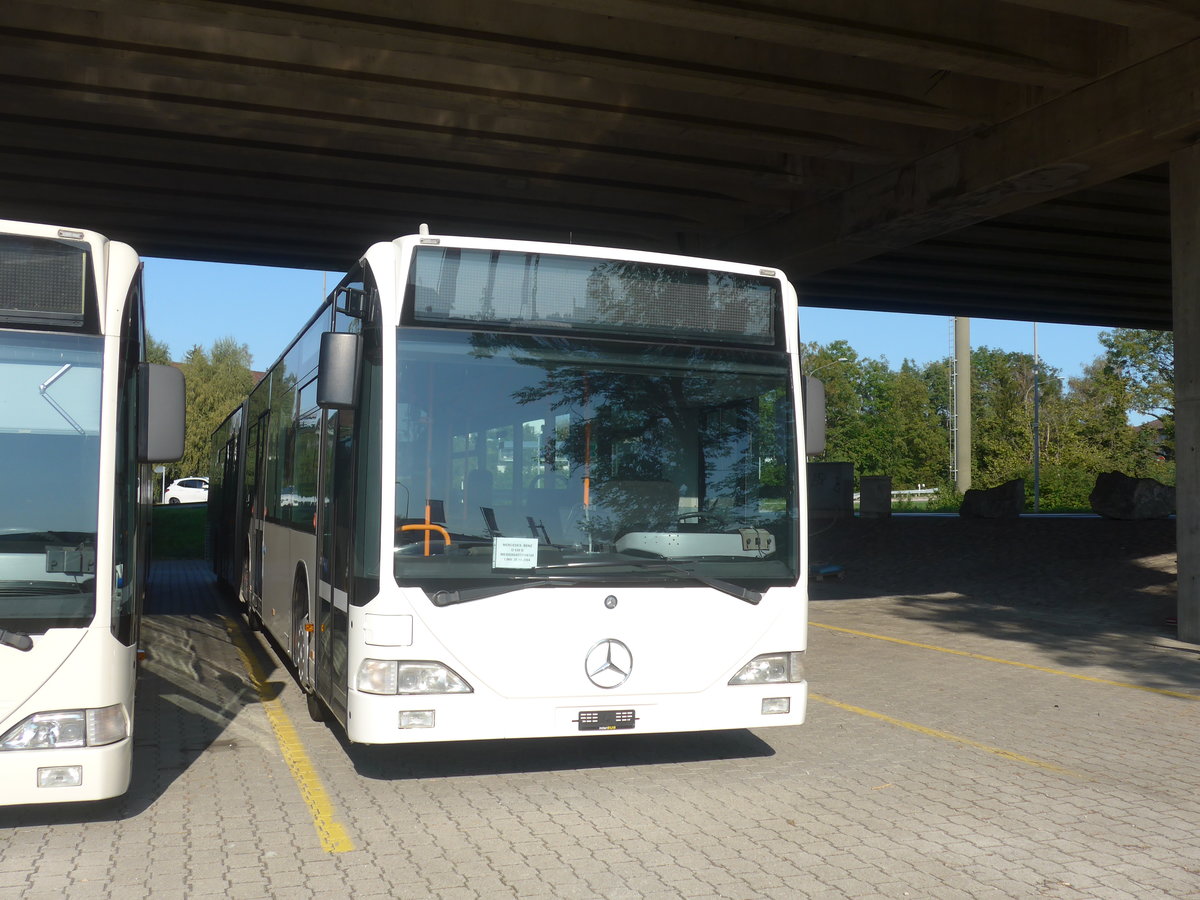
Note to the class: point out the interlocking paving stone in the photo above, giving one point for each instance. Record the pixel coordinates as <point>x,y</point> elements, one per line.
<point>844,806</point>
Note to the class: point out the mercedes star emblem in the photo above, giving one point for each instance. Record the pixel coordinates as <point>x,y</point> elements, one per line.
<point>608,664</point>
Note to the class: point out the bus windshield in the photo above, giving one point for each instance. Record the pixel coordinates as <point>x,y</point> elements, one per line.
<point>50,461</point>
<point>528,460</point>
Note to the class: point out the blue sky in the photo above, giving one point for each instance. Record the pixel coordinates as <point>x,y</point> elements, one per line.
<point>198,303</point>
<point>897,337</point>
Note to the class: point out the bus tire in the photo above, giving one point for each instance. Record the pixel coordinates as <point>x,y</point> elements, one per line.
<point>316,709</point>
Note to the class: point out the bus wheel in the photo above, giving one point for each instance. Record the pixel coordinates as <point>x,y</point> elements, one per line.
<point>316,709</point>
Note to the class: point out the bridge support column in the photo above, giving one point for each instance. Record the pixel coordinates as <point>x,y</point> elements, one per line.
<point>1185,277</point>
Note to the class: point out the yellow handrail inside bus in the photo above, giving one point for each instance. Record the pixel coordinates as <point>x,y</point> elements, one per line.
<point>428,527</point>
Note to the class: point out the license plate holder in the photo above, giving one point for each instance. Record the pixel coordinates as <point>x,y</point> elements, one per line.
<point>606,719</point>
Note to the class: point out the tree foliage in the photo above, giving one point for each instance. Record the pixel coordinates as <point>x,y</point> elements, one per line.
<point>1144,361</point>
<point>881,420</point>
<point>216,381</point>
<point>157,351</point>
<point>897,422</point>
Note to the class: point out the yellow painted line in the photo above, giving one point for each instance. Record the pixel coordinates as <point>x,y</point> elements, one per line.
<point>333,835</point>
<point>946,736</point>
<point>1009,662</point>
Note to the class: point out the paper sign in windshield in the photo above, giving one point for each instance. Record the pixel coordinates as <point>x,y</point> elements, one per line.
<point>514,553</point>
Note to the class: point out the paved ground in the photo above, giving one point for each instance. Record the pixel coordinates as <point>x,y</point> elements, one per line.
<point>955,748</point>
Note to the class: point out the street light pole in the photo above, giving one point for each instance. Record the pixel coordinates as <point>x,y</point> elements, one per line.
<point>840,359</point>
<point>1037,447</point>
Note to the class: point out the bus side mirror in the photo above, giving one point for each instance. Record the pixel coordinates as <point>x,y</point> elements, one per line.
<point>160,413</point>
<point>813,400</point>
<point>337,371</point>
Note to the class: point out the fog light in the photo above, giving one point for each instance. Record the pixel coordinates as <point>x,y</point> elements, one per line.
<point>416,718</point>
<point>776,706</point>
<point>60,776</point>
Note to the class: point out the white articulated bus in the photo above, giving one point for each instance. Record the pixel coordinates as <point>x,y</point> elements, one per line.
<point>76,410</point>
<point>508,489</point>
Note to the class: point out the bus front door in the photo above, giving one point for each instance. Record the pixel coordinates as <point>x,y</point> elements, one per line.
<point>335,517</point>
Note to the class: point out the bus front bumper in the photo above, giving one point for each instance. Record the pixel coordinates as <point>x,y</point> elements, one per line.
<point>387,719</point>
<point>65,775</point>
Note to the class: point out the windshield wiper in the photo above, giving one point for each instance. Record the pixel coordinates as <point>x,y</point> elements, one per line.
<point>18,640</point>
<point>49,538</point>
<point>725,587</point>
<point>43,389</point>
<point>450,598</point>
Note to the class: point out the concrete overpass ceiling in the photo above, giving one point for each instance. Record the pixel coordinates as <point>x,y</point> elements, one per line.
<point>967,157</point>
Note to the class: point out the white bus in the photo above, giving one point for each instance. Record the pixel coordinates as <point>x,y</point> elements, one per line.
<point>75,409</point>
<point>503,489</point>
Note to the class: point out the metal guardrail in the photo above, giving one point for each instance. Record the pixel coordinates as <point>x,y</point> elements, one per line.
<point>916,492</point>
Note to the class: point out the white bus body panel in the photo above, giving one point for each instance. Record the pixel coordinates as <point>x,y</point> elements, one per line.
<point>78,668</point>
<point>68,668</point>
<point>283,552</point>
<point>524,653</point>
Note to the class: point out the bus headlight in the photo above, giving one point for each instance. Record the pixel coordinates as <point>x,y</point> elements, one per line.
<point>772,668</point>
<point>389,676</point>
<point>377,676</point>
<point>68,728</point>
<point>106,726</point>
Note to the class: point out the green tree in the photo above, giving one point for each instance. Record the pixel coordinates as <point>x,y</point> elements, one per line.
<point>1102,438</point>
<point>885,422</point>
<point>157,351</point>
<point>920,437</point>
<point>216,382</point>
<point>1144,360</point>
<point>898,422</point>
<point>832,365</point>
<point>1001,415</point>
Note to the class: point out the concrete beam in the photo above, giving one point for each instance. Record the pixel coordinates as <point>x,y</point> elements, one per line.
<point>1133,13</point>
<point>1117,125</point>
<point>933,38</point>
<point>373,41</point>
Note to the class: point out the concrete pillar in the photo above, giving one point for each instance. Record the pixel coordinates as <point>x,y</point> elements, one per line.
<point>1185,278</point>
<point>962,403</point>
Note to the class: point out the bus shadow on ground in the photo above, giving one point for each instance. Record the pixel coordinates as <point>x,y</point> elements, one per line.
<point>188,696</point>
<point>517,756</point>
<point>187,700</point>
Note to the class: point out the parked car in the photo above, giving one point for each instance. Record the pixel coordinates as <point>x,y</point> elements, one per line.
<point>187,490</point>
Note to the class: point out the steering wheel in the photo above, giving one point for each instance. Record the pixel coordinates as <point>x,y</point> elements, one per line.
<point>701,517</point>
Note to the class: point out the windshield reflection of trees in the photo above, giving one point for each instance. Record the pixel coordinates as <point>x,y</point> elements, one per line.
<point>676,300</point>
<point>671,438</point>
